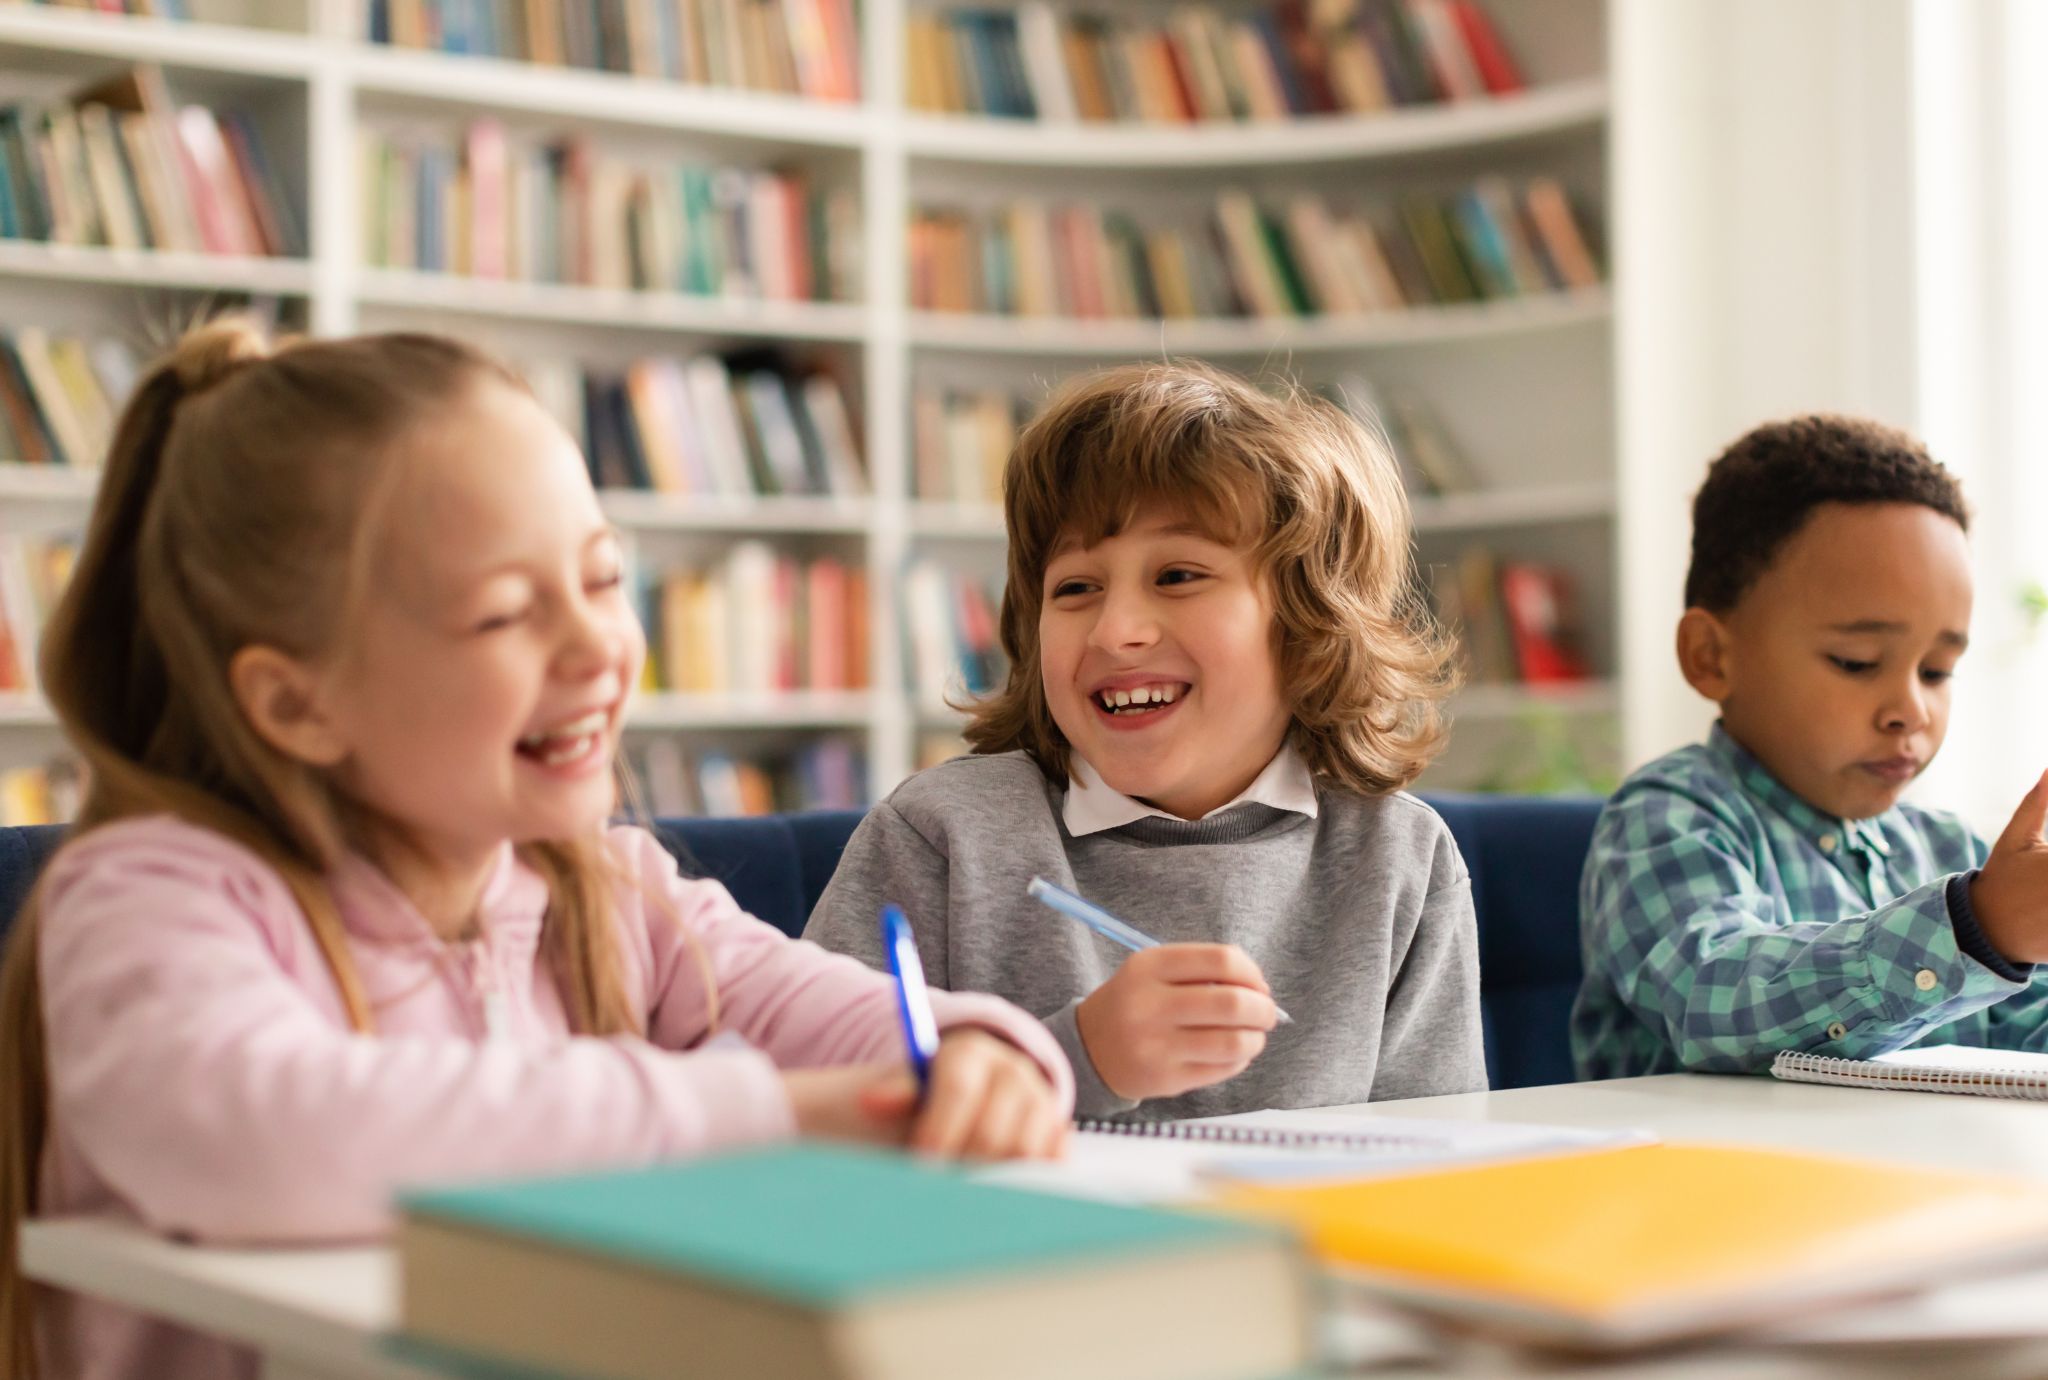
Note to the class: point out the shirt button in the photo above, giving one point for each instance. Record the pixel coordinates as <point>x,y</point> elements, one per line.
<point>1924,979</point>
<point>1836,1030</point>
<point>1828,842</point>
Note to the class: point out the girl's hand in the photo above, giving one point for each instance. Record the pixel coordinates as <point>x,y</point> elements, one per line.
<point>867,1103</point>
<point>988,1101</point>
<point>1175,1018</point>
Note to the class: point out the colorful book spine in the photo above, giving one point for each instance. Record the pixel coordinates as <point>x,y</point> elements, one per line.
<point>961,442</point>
<point>950,621</point>
<point>807,48</point>
<point>739,427</point>
<point>1311,256</point>
<point>1198,62</point>
<point>120,167</point>
<point>569,212</point>
<point>758,622</point>
<point>828,773</point>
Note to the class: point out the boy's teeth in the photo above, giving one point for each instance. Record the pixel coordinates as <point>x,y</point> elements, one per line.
<point>1139,697</point>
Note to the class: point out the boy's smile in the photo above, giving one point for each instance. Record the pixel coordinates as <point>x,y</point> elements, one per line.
<point>1833,668</point>
<point>1157,651</point>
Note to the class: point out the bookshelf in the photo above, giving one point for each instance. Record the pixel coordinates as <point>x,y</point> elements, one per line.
<point>1526,382</point>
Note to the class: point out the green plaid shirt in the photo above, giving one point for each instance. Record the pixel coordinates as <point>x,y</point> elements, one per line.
<point>1724,919</point>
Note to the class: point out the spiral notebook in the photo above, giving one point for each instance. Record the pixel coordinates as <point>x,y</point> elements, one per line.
<point>1935,1068</point>
<point>1175,1161</point>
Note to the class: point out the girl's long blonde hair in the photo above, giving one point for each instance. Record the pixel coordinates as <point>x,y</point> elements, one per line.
<point>232,513</point>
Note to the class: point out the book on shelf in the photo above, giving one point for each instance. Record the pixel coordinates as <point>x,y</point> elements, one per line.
<point>961,441</point>
<point>952,634</point>
<point>489,205</point>
<point>137,9</point>
<point>1199,63</point>
<point>33,572</point>
<point>1432,463</point>
<point>828,773</point>
<point>746,425</point>
<point>60,396</point>
<point>806,48</point>
<point>1516,620</point>
<point>1309,257</point>
<point>121,166</point>
<point>758,622</point>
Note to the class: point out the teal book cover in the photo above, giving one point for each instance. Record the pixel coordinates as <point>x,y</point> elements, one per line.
<point>817,1225</point>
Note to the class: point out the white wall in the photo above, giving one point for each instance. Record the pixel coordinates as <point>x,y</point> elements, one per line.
<point>1763,221</point>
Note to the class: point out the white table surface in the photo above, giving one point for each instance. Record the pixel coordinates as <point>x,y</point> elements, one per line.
<point>322,1313</point>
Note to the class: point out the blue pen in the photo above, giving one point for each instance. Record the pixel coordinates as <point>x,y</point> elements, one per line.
<point>1103,923</point>
<point>913,1003</point>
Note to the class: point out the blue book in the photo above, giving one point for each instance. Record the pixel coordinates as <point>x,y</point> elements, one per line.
<point>843,1264</point>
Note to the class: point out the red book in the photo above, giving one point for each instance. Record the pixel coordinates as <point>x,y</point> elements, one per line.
<point>1536,598</point>
<point>1496,67</point>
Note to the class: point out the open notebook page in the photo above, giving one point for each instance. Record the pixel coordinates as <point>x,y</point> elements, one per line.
<point>1170,1168</point>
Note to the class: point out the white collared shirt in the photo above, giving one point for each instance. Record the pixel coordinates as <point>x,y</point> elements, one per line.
<point>1094,805</point>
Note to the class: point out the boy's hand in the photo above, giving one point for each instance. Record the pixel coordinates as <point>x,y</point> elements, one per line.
<point>2010,896</point>
<point>988,1100</point>
<point>1177,1017</point>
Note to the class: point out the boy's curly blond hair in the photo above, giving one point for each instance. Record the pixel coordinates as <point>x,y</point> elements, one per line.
<point>1314,495</point>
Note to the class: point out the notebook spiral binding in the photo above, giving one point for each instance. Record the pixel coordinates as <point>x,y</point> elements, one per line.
<point>1227,1133</point>
<point>1821,1068</point>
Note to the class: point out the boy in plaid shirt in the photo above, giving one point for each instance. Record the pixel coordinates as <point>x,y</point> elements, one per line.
<point>1767,891</point>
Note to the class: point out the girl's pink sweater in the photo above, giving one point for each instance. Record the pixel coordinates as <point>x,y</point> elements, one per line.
<point>204,1080</point>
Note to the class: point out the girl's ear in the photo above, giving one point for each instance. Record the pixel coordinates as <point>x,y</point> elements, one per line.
<point>1703,654</point>
<point>280,696</point>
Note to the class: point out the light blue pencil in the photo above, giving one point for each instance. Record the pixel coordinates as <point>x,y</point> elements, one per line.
<point>1103,923</point>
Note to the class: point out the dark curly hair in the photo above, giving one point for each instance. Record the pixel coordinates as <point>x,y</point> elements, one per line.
<point>1762,489</point>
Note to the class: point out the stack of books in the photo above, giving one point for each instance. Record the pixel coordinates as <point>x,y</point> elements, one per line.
<point>1517,620</point>
<point>961,440</point>
<point>823,774</point>
<point>758,622</point>
<point>1196,62</point>
<point>1306,257</point>
<point>60,396</point>
<point>122,166</point>
<point>795,47</point>
<point>565,211</point>
<point>954,643</point>
<point>745,426</point>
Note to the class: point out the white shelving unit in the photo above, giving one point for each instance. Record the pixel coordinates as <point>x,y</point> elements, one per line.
<point>1525,385</point>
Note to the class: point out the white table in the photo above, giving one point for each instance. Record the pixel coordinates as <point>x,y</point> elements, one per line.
<point>321,1315</point>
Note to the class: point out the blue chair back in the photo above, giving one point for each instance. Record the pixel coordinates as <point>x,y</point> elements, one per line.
<point>1524,855</point>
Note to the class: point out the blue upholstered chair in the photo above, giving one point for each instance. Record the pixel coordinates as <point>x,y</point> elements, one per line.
<point>1524,854</point>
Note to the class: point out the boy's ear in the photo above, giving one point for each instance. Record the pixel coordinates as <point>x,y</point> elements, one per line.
<point>1703,653</point>
<point>280,696</point>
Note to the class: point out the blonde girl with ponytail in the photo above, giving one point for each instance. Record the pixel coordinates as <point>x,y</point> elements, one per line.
<point>346,654</point>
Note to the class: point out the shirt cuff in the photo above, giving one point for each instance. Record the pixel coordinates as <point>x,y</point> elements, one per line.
<point>1093,1098</point>
<point>1970,936</point>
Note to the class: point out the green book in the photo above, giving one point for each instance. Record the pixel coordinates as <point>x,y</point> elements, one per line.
<point>820,1261</point>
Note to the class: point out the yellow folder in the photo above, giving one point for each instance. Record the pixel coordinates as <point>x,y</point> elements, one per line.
<point>1628,1246</point>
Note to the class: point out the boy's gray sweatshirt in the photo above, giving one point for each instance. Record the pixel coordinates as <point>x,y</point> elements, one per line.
<point>1361,920</point>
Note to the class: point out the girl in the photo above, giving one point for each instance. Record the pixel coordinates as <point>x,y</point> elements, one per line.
<point>1220,680</point>
<point>346,652</point>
